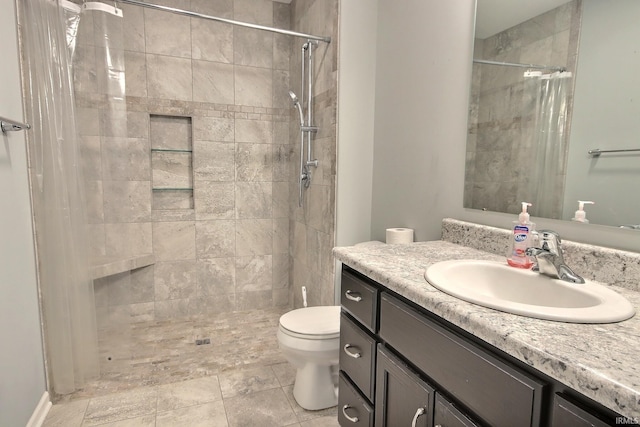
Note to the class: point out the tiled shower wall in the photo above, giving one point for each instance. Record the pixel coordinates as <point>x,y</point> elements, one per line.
<point>499,144</point>
<point>313,225</point>
<point>221,92</point>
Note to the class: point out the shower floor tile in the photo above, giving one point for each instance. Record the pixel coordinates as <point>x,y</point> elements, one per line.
<point>157,375</point>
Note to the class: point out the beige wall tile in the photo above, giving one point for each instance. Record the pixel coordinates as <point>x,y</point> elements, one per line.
<point>216,276</point>
<point>174,241</point>
<point>253,162</point>
<point>253,86</point>
<point>281,268</point>
<point>253,200</point>
<point>174,280</point>
<point>252,48</point>
<point>281,87</point>
<point>254,11</point>
<point>136,74</point>
<point>213,82</point>
<point>126,159</point>
<point>254,273</point>
<point>280,235</point>
<point>215,239</point>
<point>214,161</point>
<point>256,131</point>
<point>214,200</point>
<point>93,197</point>
<point>254,237</point>
<point>127,201</point>
<point>211,41</point>
<point>213,129</point>
<point>124,239</point>
<point>281,199</point>
<point>167,33</point>
<point>169,77</point>
<point>133,27</point>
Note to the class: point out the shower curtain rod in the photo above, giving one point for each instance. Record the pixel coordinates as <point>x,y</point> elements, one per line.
<point>226,21</point>
<point>514,64</point>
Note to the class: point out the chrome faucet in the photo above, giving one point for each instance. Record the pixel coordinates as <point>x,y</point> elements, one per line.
<point>550,260</point>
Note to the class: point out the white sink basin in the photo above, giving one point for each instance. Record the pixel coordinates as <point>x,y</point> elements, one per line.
<point>528,293</point>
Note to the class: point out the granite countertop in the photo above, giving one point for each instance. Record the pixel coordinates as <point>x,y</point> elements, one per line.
<point>598,360</point>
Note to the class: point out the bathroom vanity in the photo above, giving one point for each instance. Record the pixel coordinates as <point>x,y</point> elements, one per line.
<point>412,355</point>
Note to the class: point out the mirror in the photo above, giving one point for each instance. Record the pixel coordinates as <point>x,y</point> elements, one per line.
<point>551,81</point>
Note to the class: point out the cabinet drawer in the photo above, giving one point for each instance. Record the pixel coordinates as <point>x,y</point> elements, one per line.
<point>567,414</point>
<point>357,356</point>
<point>353,410</point>
<point>402,397</point>
<point>493,391</point>
<point>445,414</point>
<point>360,299</point>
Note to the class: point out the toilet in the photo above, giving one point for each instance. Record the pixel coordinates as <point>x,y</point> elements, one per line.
<point>310,340</point>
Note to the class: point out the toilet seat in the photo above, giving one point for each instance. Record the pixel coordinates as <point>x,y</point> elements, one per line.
<point>319,323</point>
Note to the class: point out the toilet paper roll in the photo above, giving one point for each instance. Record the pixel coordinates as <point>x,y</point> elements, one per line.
<point>399,235</point>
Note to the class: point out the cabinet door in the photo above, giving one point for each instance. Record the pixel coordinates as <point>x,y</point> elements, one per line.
<point>447,415</point>
<point>353,409</point>
<point>402,397</point>
<point>566,414</point>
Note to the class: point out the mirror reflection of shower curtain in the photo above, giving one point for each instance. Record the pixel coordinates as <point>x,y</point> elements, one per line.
<point>66,288</point>
<point>549,95</point>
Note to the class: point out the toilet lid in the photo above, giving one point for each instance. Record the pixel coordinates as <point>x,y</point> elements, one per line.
<point>323,320</point>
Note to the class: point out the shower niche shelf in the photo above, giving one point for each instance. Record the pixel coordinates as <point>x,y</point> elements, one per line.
<point>171,162</point>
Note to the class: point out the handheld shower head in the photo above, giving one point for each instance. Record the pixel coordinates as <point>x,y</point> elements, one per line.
<point>293,97</point>
<point>296,103</point>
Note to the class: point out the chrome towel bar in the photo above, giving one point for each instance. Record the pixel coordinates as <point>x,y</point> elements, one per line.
<point>10,125</point>
<point>596,151</point>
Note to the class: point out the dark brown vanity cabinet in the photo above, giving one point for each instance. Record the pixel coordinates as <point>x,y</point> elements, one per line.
<point>401,365</point>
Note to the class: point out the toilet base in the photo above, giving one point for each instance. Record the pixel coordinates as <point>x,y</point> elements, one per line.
<point>316,386</point>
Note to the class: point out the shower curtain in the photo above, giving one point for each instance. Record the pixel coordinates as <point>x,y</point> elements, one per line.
<point>548,96</point>
<point>66,288</point>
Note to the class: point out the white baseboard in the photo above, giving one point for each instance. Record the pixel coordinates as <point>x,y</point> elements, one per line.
<point>41,411</point>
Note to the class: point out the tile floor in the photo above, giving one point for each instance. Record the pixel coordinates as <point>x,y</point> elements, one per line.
<point>153,374</point>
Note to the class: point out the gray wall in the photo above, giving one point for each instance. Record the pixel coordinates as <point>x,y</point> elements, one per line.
<point>422,87</point>
<point>21,358</point>
<point>356,92</point>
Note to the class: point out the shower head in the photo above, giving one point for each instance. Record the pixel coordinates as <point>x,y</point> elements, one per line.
<point>294,98</point>
<point>296,104</point>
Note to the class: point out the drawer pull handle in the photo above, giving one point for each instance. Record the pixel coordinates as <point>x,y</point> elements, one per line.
<point>354,355</point>
<point>353,296</point>
<point>344,412</point>
<point>419,412</point>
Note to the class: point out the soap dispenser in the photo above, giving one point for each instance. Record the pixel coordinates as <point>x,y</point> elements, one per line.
<point>581,215</point>
<point>523,234</point>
